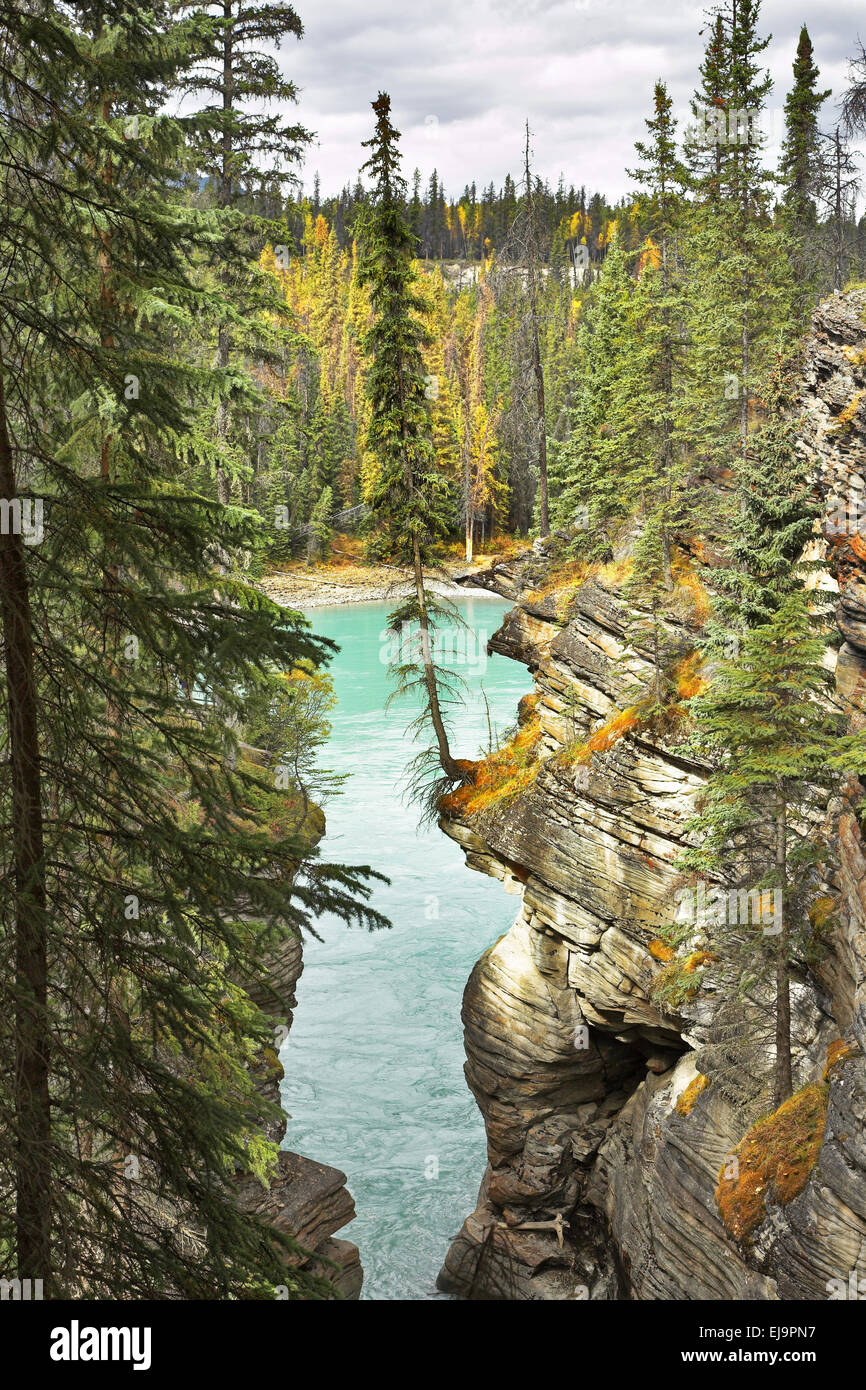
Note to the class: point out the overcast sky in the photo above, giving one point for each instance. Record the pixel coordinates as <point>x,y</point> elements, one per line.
<point>464,75</point>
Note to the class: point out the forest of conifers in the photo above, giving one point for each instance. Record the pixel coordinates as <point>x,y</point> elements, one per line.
<point>306,451</point>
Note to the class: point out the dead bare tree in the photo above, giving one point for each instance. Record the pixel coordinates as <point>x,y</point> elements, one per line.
<point>838,195</point>
<point>520,264</point>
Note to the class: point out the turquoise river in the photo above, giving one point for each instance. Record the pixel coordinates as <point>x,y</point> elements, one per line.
<point>374,1063</point>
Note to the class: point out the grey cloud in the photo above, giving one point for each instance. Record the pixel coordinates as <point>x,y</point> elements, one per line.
<point>581,71</point>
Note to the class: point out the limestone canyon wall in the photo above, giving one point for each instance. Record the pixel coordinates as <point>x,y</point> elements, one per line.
<point>306,1199</point>
<point>601,1171</point>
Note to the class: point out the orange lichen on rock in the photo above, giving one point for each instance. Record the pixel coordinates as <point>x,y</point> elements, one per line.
<point>605,737</point>
<point>527,706</point>
<point>687,676</point>
<point>697,960</point>
<point>846,416</point>
<point>773,1161</point>
<point>507,772</point>
<point>837,1053</point>
<point>689,1098</point>
<point>686,580</point>
<point>565,579</point>
<point>660,950</point>
<point>567,576</point>
<point>821,911</point>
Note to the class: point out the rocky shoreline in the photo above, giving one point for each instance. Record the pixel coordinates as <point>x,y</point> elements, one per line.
<point>324,586</point>
<point>305,1199</point>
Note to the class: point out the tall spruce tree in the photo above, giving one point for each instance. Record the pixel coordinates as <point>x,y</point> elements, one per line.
<point>801,170</point>
<point>800,165</point>
<point>408,494</point>
<point>740,283</point>
<point>145,877</point>
<point>593,463</point>
<point>704,149</point>
<point>244,149</point>
<point>776,746</point>
<point>657,313</point>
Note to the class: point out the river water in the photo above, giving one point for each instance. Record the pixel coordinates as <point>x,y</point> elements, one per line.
<point>374,1063</point>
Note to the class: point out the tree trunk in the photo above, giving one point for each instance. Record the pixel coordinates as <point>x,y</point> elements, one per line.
<point>839,237</point>
<point>33,1211</point>
<point>744,385</point>
<point>222,419</point>
<point>467,482</point>
<point>107,305</point>
<point>448,764</point>
<point>784,1085</point>
<point>544,518</point>
<point>225,201</point>
<point>667,448</point>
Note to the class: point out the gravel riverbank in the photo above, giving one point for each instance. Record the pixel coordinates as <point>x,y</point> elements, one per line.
<point>320,586</point>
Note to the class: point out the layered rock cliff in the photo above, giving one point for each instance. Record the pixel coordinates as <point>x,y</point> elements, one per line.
<point>306,1199</point>
<point>608,1122</point>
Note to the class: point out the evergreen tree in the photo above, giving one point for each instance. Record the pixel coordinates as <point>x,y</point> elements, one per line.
<point>321,532</point>
<point>144,880</point>
<point>776,747</point>
<point>801,169</point>
<point>800,166</point>
<point>706,141</point>
<point>740,283</point>
<point>407,495</point>
<point>658,314</point>
<point>772,521</point>
<point>232,135</point>
<point>593,464</point>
